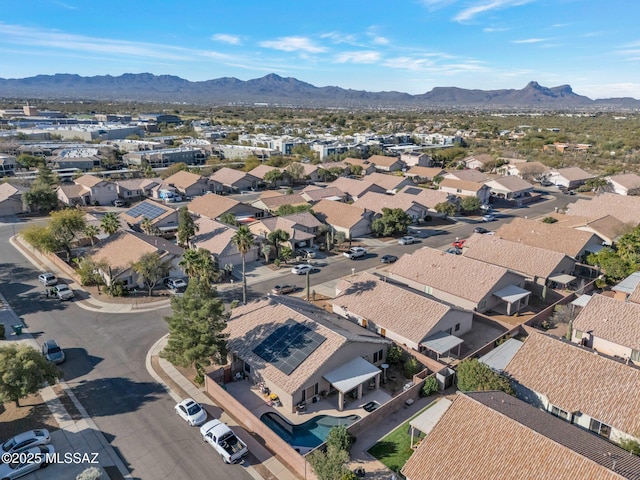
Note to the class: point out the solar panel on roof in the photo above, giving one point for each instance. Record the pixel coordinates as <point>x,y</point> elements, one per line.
<point>147,210</point>
<point>288,346</point>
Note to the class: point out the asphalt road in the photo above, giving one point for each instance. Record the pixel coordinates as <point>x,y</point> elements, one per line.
<point>105,368</point>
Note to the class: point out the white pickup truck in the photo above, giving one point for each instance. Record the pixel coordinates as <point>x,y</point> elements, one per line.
<point>224,441</point>
<point>355,252</point>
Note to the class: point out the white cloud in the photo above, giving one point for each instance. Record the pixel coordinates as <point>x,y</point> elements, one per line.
<point>337,37</point>
<point>358,57</point>
<point>486,6</point>
<point>227,38</point>
<point>495,29</point>
<point>408,63</point>
<point>379,40</point>
<point>436,4</point>
<point>531,40</point>
<point>293,44</point>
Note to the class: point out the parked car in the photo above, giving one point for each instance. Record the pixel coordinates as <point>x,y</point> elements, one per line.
<point>63,292</point>
<point>302,269</point>
<point>118,203</point>
<point>25,440</point>
<point>459,243</point>
<point>568,192</point>
<point>306,253</point>
<point>283,289</point>
<point>486,208</point>
<point>33,459</point>
<point>453,251</point>
<point>224,441</point>
<point>388,258</point>
<point>488,218</point>
<point>407,240</point>
<point>52,351</point>
<point>355,252</point>
<point>480,230</point>
<point>47,279</point>
<point>191,411</point>
<point>175,283</point>
<point>545,183</point>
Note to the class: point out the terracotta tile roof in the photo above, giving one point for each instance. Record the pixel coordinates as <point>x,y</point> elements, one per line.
<point>353,187</point>
<point>304,219</point>
<point>611,320</point>
<point>396,309</point>
<point>377,201</point>
<point>531,167</point>
<point>261,170</point>
<point>462,185</point>
<point>545,235</point>
<point>211,205</point>
<point>357,161</point>
<point>483,158</point>
<point>577,379</point>
<point>386,181</point>
<point>606,227</point>
<point>427,196</point>
<point>574,174</point>
<point>215,237</point>
<point>274,202</point>
<point>635,295</point>
<point>315,194</point>
<point>249,325</point>
<point>511,182</point>
<point>184,179</point>
<point>229,176</point>
<point>629,181</point>
<point>88,181</point>
<point>531,261</point>
<point>167,211</point>
<point>120,250</point>
<point>73,191</point>
<point>267,225</point>
<point>477,438</point>
<point>338,213</point>
<point>625,208</point>
<point>382,160</point>
<point>455,274</point>
<point>7,190</point>
<point>467,176</point>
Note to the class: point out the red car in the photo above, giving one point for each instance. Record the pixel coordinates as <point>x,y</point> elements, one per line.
<point>459,243</point>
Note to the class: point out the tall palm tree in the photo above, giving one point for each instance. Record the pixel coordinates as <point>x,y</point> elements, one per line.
<point>91,231</point>
<point>147,226</point>
<point>110,223</point>
<point>243,240</point>
<point>198,264</point>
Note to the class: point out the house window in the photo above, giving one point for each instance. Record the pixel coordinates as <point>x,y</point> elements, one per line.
<point>247,368</point>
<point>558,412</point>
<point>458,190</point>
<point>377,356</point>
<point>635,355</point>
<point>600,428</point>
<point>457,327</point>
<point>578,334</point>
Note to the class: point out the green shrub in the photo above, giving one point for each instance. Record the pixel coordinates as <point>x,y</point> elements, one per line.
<point>549,220</point>
<point>411,367</point>
<point>630,445</point>
<point>394,355</point>
<point>92,473</point>
<point>430,387</point>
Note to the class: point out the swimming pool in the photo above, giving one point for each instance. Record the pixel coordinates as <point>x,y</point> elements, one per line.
<point>309,434</point>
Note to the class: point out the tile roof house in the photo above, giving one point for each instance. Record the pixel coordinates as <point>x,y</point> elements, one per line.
<point>188,184</point>
<point>634,296</point>
<point>461,281</point>
<point>355,188</point>
<point>351,220</point>
<point>593,391</point>
<point>413,159</point>
<point>301,227</point>
<point>624,288</point>
<point>122,249</point>
<point>571,177</point>
<point>479,162</point>
<point>260,340</point>
<point>214,206</point>
<point>625,208</point>
<point>88,190</point>
<point>386,164</point>
<point>608,228</point>
<point>271,203</point>
<point>314,193</point>
<point>530,171</point>
<point>571,242</point>
<point>492,435</point>
<point>430,197</point>
<point>218,239</point>
<point>11,199</point>
<point>162,216</point>
<point>409,204</point>
<point>538,265</point>
<point>625,184</point>
<point>609,326</point>
<point>467,176</point>
<point>261,170</point>
<point>232,181</point>
<point>466,189</point>
<point>390,183</point>
<point>367,166</point>
<point>510,188</point>
<point>419,174</point>
<point>399,314</point>
<point>136,188</point>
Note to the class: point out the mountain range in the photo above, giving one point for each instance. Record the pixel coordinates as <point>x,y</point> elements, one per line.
<point>273,89</point>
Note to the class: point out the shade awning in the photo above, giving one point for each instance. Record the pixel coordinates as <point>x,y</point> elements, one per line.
<point>441,342</point>
<point>562,279</point>
<point>594,248</point>
<point>348,376</point>
<point>512,293</point>
<point>426,421</point>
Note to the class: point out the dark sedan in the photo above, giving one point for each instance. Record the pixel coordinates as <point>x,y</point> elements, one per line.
<point>388,258</point>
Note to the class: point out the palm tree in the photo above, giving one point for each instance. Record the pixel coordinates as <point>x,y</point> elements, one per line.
<point>110,223</point>
<point>147,226</point>
<point>91,231</point>
<point>243,240</point>
<point>276,238</point>
<point>198,264</point>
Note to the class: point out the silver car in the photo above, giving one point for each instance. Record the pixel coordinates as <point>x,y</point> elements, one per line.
<point>47,279</point>
<point>52,352</point>
<point>33,459</point>
<point>25,440</point>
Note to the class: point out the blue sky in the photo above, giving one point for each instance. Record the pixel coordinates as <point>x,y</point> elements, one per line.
<point>377,45</point>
